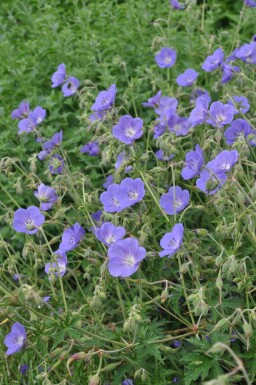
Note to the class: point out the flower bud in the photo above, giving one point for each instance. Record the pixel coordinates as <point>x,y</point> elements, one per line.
<point>247,330</point>
<point>222,323</point>
<point>183,268</point>
<point>94,380</point>
<point>164,296</point>
<point>202,232</point>
<point>129,325</point>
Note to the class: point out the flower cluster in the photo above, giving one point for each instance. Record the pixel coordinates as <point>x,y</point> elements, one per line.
<point>69,84</point>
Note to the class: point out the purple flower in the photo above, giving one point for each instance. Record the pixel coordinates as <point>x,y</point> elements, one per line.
<point>176,344</point>
<point>71,86</point>
<point>28,220</point>
<point>56,164</point>
<point>16,339</point>
<point>21,112</point>
<point>160,155</point>
<point>55,141</point>
<point>172,241</point>
<point>220,114</point>
<point>210,182</point>
<point>109,181</point>
<point>46,195</point>
<point>105,99</point>
<point>159,129</point>
<point>196,93</point>
<point>154,101</point>
<point>28,124</point>
<point>59,266</point>
<point>122,158</point>
<point>23,369</point>
<point>250,3</point>
<point>127,382</point>
<point>254,38</point>
<point>71,237</point>
<point>247,53</point>
<point>238,130</point>
<point>166,58</point>
<point>200,113</point>
<point>108,233</point>
<point>42,155</point>
<point>232,56</point>
<point>124,257</point>
<point>228,72</point>
<point>130,192</point>
<point>187,78</point>
<point>175,200</point>
<point>110,199</point>
<point>213,61</point>
<point>91,148</point>
<point>128,129</point>
<point>175,379</point>
<point>240,103</point>
<point>59,76</point>
<point>38,114</point>
<point>194,162</point>
<point>17,277</point>
<point>46,299</point>
<point>179,125</point>
<point>167,107</point>
<point>96,216</point>
<point>176,4</point>
<point>97,115</point>
<point>224,161</point>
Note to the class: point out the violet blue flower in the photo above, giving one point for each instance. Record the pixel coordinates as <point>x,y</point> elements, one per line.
<point>179,125</point>
<point>96,216</point>
<point>167,106</point>
<point>109,181</point>
<point>28,124</point>
<point>128,129</point>
<point>176,4</point>
<point>131,191</point>
<point>154,101</point>
<point>46,195</point>
<point>97,115</point>
<point>23,369</point>
<point>166,58</point>
<point>71,86</point>
<point>250,3</point>
<point>238,130</point>
<point>200,113</point>
<point>55,141</point>
<point>21,112</point>
<point>175,379</point>
<point>240,103</point>
<point>175,200</point>
<point>210,182</point>
<point>42,155</point>
<point>71,237</point>
<point>176,344</point>
<point>224,161</point>
<point>194,162</point>
<point>38,114</point>
<point>187,78</point>
<point>16,339</point>
<point>172,241</point>
<point>56,164</point>
<point>228,72</point>
<point>159,129</point>
<point>59,266</point>
<point>232,56</point>
<point>105,99</point>
<point>110,199</point>
<point>213,61</point>
<point>247,53</point>
<point>124,257</point>
<point>127,382</point>
<point>196,93</point>
<point>28,220</point>
<point>90,148</point>
<point>122,158</point>
<point>109,234</point>
<point>160,155</point>
<point>59,76</point>
<point>220,114</point>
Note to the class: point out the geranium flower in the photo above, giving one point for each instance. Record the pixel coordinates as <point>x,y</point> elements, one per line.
<point>59,76</point>
<point>105,99</point>
<point>28,220</point>
<point>108,233</point>
<point>187,78</point>
<point>71,237</point>
<point>172,241</point>
<point>16,339</point>
<point>194,162</point>
<point>175,200</point>
<point>71,86</point>
<point>124,257</point>
<point>46,195</point>
<point>21,112</point>
<point>166,58</point>
<point>128,129</point>
<point>213,61</point>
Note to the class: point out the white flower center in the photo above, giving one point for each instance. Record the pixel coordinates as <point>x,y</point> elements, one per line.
<point>133,194</point>
<point>130,131</point>
<point>129,260</point>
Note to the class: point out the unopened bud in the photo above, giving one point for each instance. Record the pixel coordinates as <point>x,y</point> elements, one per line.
<point>247,330</point>
<point>183,268</point>
<point>222,323</point>
<point>129,325</point>
<point>94,380</point>
<point>202,232</point>
<point>164,296</point>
